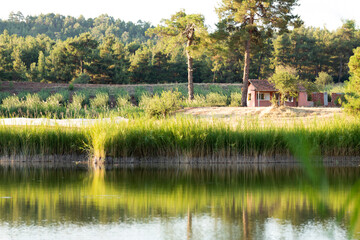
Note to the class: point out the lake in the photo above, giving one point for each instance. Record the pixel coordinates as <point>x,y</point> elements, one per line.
<point>160,202</point>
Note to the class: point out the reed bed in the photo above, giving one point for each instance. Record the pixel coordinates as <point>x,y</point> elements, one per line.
<point>189,137</point>
<point>41,140</point>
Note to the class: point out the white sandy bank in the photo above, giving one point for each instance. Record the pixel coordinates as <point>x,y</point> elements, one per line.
<point>81,122</point>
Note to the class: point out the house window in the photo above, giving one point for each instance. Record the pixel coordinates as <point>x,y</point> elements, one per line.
<point>267,96</point>
<point>289,99</point>
<point>264,96</point>
<point>249,97</point>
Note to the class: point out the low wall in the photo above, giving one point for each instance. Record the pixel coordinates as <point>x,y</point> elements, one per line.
<point>318,99</point>
<point>336,99</point>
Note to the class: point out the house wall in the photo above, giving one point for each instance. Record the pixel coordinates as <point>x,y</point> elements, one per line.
<point>303,102</point>
<point>334,102</point>
<point>251,90</point>
<point>290,104</point>
<point>318,99</point>
<point>255,102</point>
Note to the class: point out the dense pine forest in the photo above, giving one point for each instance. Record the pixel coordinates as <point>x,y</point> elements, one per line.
<point>63,49</point>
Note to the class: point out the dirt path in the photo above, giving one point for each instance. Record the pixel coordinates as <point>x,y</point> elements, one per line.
<point>262,112</point>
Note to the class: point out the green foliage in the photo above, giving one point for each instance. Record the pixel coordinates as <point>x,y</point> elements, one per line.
<point>324,79</point>
<point>71,87</point>
<point>100,101</point>
<point>309,86</point>
<point>352,87</point>
<point>77,101</point>
<point>32,101</point>
<point>123,101</point>
<point>11,102</point>
<point>216,99</point>
<point>161,105</point>
<point>44,94</point>
<point>65,95</point>
<point>286,82</point>
<point>82,79</point>
<point>235,99</point>
<point>3,95</point>
<point>54,101</point>
<point>139,92</point>
<point>198,101</point>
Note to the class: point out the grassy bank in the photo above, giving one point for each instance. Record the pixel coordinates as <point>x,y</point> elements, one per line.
<point>185,137</point>
<point>93,103</point>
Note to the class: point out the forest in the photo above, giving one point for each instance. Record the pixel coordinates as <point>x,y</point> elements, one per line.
<point>63,49</point>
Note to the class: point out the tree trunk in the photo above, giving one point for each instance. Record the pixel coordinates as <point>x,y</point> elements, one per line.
<point>81,66</point>
<point>259,68</point>
<point>190,72</point>
<point>246,73</point>
<point>247,66</point>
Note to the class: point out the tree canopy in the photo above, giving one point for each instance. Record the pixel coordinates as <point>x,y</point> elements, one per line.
<point>352,89</point>
<point>186,31</point>
<point>112,51</point>
<point>251,18</point>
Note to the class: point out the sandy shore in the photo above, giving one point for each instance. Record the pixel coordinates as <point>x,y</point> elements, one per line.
<point>82,122</point>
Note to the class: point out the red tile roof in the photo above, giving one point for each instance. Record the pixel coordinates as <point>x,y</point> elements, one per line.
<point>262,85</point>
<point>265,85</point>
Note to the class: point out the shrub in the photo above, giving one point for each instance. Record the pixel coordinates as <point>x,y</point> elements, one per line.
<point>198,101</point>
<point>123,101</point>
<point>182,89</point>
<point>53,101</point>
<point>44,94</point>
<point>235,99</point>
<point>3,95</point>
<point>71,87</point>
<point>77,101</point>
<point>32,101</point>
<point>11,102</point>
<point>216,99</point>
<point>81,79</point>
<point>324,79</point>
<point>139,92</point>
<point>65,95</point>
<point>100,101</point>
<point>352,87</point>
<point>161,105</point>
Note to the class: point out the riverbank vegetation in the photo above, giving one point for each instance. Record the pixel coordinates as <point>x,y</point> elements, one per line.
<point>182,136</point>
<point>102,102</point>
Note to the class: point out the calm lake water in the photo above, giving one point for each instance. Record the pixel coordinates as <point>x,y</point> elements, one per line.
<point>184,203</point>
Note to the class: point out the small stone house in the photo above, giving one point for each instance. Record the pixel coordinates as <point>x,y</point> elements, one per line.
<point>261,92</point>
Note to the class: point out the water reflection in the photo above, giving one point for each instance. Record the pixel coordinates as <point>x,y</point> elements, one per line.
<point>167,203</point>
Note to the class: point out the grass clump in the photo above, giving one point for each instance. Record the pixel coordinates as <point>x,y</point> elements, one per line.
<point>32,101</point>
<point>11,102</point>
<point>123,101</point>
<point>54,101</point>
<point>235,99</point>
<point>161,105</point>
<point>100,101</point>
<point>77,101</point>
<point>216,99</point>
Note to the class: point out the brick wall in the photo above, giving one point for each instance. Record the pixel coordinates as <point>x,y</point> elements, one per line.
<point>318,99</point>
<point>334,99</point>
